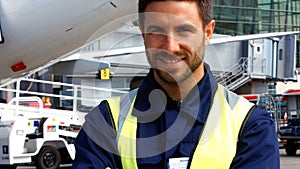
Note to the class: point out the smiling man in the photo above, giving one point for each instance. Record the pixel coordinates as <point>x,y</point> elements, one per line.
<point>180,117</point>
<point>175,39</point>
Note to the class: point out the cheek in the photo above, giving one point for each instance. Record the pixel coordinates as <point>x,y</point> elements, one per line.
<point>198,44</point>
<point>150,59</point>
<point>154,40</point>
<point>192,42</point>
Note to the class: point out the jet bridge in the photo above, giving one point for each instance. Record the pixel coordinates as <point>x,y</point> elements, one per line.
<point>235,61</point>
<point>267,59</point>
<point>244,64</point>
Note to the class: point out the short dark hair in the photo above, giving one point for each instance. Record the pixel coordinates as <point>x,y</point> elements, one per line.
<point>205,9</point>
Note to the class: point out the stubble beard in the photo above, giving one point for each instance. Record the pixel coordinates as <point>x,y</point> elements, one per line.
<point>174,76</point>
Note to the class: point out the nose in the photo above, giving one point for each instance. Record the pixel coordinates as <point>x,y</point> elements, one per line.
<point>171,44</point>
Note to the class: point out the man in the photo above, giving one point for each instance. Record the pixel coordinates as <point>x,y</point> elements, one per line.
<point>179,117</point>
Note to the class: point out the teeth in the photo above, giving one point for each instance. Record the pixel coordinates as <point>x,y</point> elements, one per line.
<point>171,61</point>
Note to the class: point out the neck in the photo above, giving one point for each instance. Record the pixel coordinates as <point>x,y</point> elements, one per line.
<point>178,91</point>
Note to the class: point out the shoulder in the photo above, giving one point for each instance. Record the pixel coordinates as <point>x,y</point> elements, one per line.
<point>258,123</point>
<point>259,140</point>
<point>98,119</point>
<point>259,115</point>
<point>98,112</point>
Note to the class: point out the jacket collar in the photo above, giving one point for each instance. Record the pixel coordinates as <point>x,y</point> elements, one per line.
<point>151,93</point>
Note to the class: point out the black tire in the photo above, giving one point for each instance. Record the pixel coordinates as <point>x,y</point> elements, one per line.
<point>8,166</point>
<point>290,148</point>
<point>48,158</point>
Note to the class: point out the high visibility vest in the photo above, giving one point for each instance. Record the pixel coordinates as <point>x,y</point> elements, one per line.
<point>218,142</point>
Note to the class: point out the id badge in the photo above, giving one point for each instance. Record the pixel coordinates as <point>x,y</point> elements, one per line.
<point>178,163</point>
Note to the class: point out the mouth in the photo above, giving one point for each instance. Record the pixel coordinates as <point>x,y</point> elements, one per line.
<point>171,60</point>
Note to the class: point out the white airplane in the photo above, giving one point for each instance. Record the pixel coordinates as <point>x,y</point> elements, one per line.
<point>34,32</point>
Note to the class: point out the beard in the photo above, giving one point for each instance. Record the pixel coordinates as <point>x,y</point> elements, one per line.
<point>176,75</point>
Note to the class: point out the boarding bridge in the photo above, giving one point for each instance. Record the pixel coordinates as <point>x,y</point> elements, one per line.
<point>270,59</point>
<point>234,64</point>
<point>234,77</point>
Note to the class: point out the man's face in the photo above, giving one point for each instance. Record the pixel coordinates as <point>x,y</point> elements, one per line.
<point>175,39</point>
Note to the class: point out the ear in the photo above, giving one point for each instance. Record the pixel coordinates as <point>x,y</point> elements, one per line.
<point>209,30</point>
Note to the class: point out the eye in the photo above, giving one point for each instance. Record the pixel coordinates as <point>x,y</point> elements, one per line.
<point>186,29</point>
<point>155,30</point>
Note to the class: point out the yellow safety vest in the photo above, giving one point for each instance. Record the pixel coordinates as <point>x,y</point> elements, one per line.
<point>217,145</point>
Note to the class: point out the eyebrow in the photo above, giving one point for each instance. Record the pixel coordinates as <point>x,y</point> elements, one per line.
<point>182,26</point>
<point>154,27</point>
<point>187,26</point>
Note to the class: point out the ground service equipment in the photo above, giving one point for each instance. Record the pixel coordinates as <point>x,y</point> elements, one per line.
<point>289,122</point>
<point>36,135</point>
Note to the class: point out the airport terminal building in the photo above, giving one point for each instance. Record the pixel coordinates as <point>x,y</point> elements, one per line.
<point>237,17</point>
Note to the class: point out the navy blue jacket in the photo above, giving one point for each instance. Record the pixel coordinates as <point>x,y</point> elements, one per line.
<point>257,146</point>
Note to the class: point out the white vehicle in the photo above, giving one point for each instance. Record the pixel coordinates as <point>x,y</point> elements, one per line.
<point>33,132</point>
<point>36,135</point>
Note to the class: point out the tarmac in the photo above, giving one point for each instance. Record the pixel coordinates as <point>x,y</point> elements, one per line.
<point>286,162</point>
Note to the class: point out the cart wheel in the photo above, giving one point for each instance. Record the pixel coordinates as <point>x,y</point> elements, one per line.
<point>291,148</point>
<point>48,158</point>
<point>8,166</point>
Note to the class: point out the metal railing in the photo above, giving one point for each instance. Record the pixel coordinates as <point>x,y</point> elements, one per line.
<point>74,94</point>
<point>236,76</point>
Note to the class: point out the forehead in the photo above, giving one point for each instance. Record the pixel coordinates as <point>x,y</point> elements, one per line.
<point>172,12</point>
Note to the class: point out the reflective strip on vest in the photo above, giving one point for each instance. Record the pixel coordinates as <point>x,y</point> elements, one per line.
<point>217,146</point>
<point>126,132</point>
